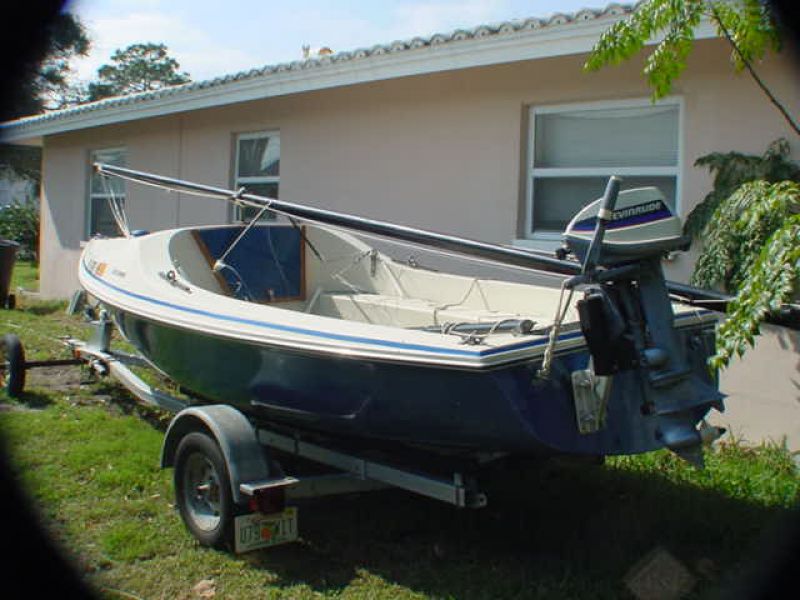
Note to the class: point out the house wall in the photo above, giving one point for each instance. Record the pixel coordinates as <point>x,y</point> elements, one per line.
<point>444,151</point>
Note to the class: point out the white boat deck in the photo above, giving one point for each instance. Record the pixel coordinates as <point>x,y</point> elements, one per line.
<point>355,301</point>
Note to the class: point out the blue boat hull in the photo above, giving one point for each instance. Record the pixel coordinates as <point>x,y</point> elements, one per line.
<point>506,409</point>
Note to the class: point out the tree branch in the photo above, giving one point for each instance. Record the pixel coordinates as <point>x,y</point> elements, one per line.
<point>792,123</point>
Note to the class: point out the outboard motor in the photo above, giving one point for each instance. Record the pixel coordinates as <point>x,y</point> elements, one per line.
<point>626,314</point>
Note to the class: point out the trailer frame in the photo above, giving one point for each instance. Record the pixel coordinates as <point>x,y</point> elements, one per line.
<point>251,475</point>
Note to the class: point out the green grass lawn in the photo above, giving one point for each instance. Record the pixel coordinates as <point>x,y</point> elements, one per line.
<point>89,461</point>
<point>26,276</point>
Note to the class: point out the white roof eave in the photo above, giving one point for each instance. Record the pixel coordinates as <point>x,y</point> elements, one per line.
<point>573,37</point>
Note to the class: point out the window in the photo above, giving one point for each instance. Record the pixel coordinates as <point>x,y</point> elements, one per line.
<point>100,219</point>
<point>258,168</point>
<point>575,149</point>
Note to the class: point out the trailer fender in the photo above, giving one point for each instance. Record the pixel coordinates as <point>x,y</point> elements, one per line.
<point>245,457</point>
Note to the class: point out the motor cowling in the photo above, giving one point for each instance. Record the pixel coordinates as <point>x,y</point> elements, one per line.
<point>642,224</point>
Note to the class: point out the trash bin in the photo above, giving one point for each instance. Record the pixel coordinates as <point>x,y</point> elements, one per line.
<point>8,256</point>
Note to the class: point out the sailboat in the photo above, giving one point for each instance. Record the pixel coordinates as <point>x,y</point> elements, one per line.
<point>302,324</point>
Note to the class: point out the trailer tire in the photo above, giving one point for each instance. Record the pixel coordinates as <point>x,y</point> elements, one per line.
<point>203,491</point>
<point>13,376</point>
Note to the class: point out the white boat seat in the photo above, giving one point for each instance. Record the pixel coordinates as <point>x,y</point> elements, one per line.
<point>396,311</point>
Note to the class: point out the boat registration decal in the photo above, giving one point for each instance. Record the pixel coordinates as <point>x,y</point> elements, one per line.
<point>574,335</point>
<point>99,268</point>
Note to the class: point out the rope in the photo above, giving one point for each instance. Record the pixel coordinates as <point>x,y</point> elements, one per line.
<point>339,275</point>
<point>220,263</point>
<point>547,361</point>
<point>117,210</point>
<point>473,283</point>
<point>242,285</point>
<point>221,260</point>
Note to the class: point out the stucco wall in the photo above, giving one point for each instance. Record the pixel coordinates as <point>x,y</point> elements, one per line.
<point>763,391</point>
<point>443,151</point>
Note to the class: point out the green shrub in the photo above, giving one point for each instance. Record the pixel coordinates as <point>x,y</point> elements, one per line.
<point>730,171</point>
<point>750,228</point>
<point>752,243</point>
<point>19,221</point>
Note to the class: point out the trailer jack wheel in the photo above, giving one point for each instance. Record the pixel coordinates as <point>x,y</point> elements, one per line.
<point>12,376</point>
<point>203,491</point>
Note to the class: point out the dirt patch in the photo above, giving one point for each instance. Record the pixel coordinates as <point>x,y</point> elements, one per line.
<point>12,407</point>
<point>56,379</point>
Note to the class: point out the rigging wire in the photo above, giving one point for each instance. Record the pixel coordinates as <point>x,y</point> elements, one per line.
<point>237,199</point>
<point>286,285</point>
<point>116,207</point>
<point>221,260</point>
<point>368,235</point>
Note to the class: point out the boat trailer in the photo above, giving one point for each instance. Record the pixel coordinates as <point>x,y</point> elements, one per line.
<point>230,489</point>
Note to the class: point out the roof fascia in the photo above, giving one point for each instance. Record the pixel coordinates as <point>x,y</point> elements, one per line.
<point>572,38</point>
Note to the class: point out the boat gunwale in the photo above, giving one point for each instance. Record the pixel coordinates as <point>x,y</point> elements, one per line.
<point>533,350</point>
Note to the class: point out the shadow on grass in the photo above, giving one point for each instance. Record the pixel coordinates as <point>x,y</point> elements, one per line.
<point>35,399</point>
<point>44,307</point>
<point>558,531</point>
<point>570,532</point>
<point>118,397</point>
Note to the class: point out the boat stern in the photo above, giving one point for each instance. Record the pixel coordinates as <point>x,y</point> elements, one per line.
<point>638,338</point>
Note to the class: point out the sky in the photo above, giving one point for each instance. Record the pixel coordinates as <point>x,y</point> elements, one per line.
<point>213,37</point>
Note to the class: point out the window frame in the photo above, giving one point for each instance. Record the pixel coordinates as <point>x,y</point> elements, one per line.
<point>550,237</point>
<point>90,195</point>
<point>242,181</point>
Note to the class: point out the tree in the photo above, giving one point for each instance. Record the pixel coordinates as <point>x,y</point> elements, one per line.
<point>731,170</point>
<point>748,25</point>
<point>750,223</point>
<point>44,88</point>
<point>19,221</point>
<point>48,86</point>
<point>23,162</point>
<point>137,68</point>
<point>755,242</point>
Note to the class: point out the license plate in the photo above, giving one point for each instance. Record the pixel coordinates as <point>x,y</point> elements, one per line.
<point>255,530</point>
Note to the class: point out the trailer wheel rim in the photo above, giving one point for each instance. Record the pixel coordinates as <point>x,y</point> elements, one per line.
<point>201,489</point>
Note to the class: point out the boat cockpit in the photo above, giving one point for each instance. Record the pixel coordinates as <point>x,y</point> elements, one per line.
<point>326,272</point>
